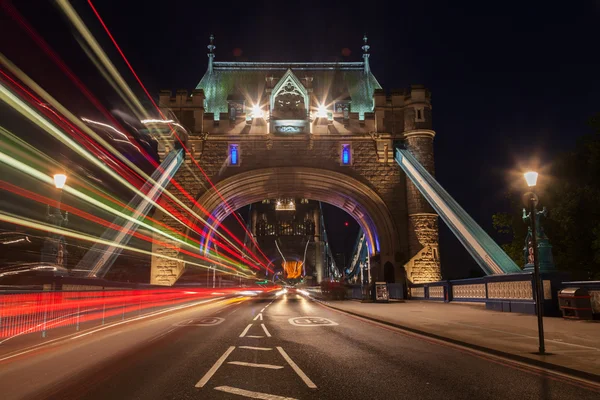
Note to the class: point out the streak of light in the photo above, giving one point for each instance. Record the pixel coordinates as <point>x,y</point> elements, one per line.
<point>35,157</point>
<point>32,224</point>
<point>172,130</point>
<point>109,127</point>
<point>25,110</point>
<point>92,218</point>
<point>72,15</point>
<point>6,159</point>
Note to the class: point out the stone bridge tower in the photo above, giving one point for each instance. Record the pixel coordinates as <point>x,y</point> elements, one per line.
<point>315,130</point>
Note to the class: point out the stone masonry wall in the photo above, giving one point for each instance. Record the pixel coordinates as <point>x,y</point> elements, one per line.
<point>257,152</point>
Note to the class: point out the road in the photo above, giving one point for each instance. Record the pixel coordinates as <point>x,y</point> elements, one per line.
<point>262,348</point>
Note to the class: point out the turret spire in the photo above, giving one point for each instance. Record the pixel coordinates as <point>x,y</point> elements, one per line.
<point>366,54</point>
<point>211,55</point>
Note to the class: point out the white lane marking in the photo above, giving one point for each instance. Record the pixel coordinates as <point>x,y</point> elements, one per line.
<point>142,317</point>
<point>265,329</point>
<point>214,368</point>
<point>254,365</point>
<point>297,369</point>
<point>233,311</point>
<point>250,394</point>
<point>254,336</point>
<point>263,309</point>
<point>257,317</point>
<point>245,331</point>
<point>256,348</point>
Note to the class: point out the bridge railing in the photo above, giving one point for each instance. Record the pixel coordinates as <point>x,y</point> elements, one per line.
<point>510,292</point>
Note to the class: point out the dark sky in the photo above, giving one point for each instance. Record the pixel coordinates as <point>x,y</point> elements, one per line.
<point>511,80</point>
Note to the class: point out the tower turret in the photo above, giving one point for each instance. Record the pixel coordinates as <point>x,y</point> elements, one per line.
<point>423,240</point>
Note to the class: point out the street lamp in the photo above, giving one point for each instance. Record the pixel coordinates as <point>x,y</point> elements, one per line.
<point>54,250</point>
<point>531,179</point>
<point>60,180</point>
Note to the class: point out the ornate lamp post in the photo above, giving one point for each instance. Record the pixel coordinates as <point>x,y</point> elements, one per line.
<point>531,178</point>
<point>54,250</point>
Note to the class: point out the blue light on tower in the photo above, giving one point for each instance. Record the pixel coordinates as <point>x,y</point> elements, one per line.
<point>233,154</point>
<point>345,154</point>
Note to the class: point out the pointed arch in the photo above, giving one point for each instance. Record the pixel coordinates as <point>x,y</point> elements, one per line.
<point>291,78</point>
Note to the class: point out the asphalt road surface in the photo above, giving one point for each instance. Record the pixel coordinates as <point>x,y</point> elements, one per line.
<point>286,347</point>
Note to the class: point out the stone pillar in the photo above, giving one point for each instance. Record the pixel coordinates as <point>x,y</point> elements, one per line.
<point>423,239</point>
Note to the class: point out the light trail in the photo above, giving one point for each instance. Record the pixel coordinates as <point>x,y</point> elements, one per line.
<point>92,218</point>
<point>173,131</point>
<point>94,45</point>
<point>25,110</point>
<point>41,226</point>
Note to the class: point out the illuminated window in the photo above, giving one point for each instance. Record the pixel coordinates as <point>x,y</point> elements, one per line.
<point>234,154</point>
<point>346,154</point>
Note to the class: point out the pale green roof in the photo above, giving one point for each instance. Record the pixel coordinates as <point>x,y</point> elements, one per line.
<point>247,79</point>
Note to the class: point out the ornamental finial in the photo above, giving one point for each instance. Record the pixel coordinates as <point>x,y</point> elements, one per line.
<point>211,55</point>
<point>366,54</point>
<point>211,46</point>
<point>365,47</point>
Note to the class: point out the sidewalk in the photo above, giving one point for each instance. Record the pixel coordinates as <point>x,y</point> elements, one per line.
<point>572,344</point>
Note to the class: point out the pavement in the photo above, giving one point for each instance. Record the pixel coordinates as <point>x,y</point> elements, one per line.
<point>572,346</point>
<point>273,348</point>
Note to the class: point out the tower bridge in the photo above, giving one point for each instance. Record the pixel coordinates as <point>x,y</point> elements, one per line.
<point>321,131</point>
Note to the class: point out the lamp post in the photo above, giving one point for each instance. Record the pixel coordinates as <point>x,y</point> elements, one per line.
<point>531,178</point>
<point>53,250</point>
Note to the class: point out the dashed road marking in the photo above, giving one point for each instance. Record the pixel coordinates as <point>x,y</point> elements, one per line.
<point>259,316</point>
<point>263,309</point>
<point>265,329</point>
<point>250,394</point>
<point>214,368</point>
<point>245,331</point>
<point>256,348</point>
<point>297,369</point>
<point>255,365</point>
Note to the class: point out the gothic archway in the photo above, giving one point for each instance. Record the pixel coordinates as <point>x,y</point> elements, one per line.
<point>349,194</point>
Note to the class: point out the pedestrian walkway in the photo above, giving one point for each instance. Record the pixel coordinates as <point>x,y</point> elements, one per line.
<point>571,344</point>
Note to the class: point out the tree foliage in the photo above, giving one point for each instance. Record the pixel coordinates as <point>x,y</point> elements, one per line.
<point>572,196</point>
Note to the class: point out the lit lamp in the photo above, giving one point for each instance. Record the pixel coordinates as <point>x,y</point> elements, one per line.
<point>531,179</point>
<point>257,112</point>
<point>60,180</point>
<point>322,111</point>
<point>54,249</point>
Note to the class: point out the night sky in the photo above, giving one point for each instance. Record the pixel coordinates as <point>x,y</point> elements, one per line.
<point>511,82</point>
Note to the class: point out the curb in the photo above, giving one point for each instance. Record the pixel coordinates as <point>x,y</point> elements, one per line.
<point>525,360</point>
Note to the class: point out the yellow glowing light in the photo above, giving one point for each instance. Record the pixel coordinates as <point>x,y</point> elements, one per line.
<point>257,112</point>
<point>60,180</point>
<point>322,111</point>
<point>531,178</point>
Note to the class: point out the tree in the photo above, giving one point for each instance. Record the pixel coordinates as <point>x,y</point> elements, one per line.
<point>571,193</point>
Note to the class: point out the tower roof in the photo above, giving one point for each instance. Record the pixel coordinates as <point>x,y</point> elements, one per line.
<point>329,81</point>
